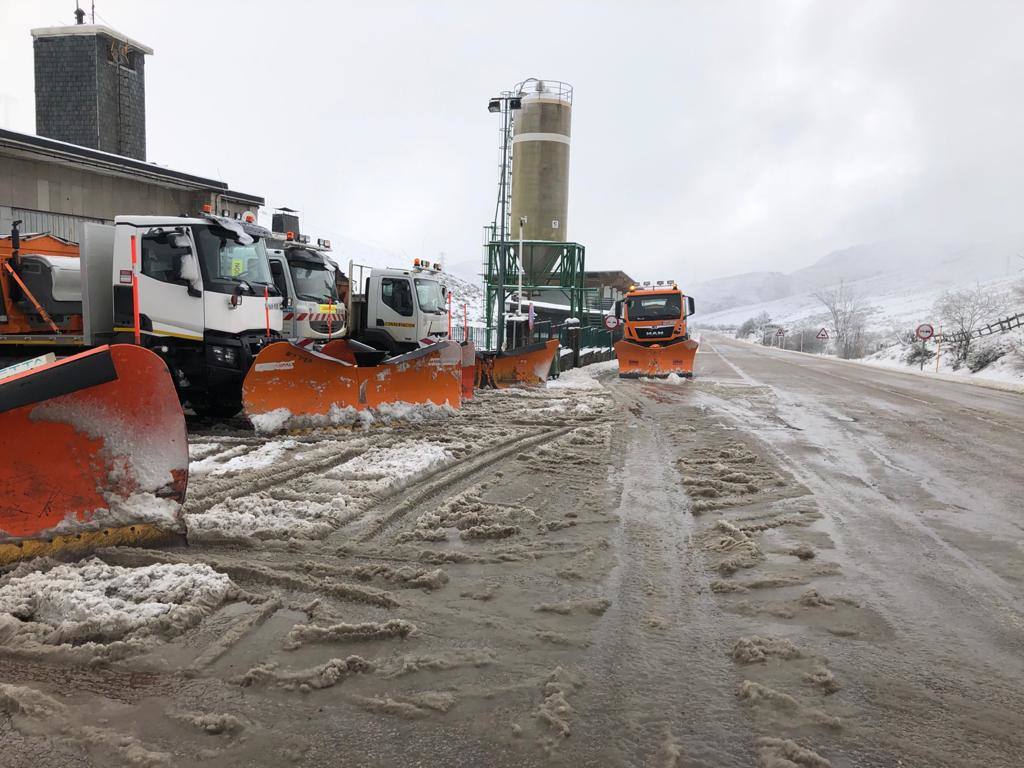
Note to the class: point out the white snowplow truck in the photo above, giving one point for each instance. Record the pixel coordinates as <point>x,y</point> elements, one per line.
<point>207,303</point>
<point>306,279</point>
<point>397,310</point>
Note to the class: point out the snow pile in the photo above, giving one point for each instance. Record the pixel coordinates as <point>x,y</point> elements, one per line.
<point>91,602</point>
<point>673,378</point>
<point>266,455</point>
<point>416,413</point>
<point>582,378</point>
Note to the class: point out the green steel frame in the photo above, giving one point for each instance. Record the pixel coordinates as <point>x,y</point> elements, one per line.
<point>554,267</point>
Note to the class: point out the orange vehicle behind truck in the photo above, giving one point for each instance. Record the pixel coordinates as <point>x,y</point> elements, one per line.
<point>655,337</point>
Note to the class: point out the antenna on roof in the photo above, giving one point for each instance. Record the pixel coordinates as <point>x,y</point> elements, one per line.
<point>93,5</point>
<point>79,14</point>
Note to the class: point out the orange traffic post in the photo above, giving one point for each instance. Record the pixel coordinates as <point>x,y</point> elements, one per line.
<point>135,293</point>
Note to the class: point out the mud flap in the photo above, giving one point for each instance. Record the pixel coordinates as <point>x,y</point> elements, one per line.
<point>313,384</point>
<point>93,452</point>
<point>657,360</point>
<point>528,365</point>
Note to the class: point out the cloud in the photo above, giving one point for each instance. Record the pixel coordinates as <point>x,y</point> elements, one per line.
<point>708,138</point>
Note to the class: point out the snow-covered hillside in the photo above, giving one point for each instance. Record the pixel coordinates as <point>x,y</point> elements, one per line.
<point>917,264</point>
<point>892,306</point>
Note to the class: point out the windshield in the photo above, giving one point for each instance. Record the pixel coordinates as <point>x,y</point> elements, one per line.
<point>428,294</point>
<point>314,282</point>
<point>226,262</point>
<point>664,306</point>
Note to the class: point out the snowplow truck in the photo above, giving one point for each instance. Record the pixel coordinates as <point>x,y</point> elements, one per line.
<point>198,292</point>
<point>655,339</point>
<point>395,350</point>
<point>305,277</point>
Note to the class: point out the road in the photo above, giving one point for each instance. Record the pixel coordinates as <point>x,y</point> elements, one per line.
<point>787,561</point>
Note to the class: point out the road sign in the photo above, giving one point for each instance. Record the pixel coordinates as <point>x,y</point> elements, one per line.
<point>780,332</point>
<point>611,322</point>
<point>823,334</point>
<point>925,331</point>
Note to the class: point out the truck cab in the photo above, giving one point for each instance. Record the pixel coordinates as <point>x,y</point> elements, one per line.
<point>305,277</point>
<point>207,302</point>
<point>398,310</point>
<point>655,313</point>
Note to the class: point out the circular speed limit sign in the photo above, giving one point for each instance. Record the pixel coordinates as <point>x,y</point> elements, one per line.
<point>611,322</point>
<point>925,331</point>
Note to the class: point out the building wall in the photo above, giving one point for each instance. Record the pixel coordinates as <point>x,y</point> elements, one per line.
<point>64,198</point>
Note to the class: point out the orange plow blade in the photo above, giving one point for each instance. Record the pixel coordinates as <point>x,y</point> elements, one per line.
<point>468,369</point>
<point>94,453</point>
<point>525,366</point>
<point>657,360</point>
<point>288,382</point>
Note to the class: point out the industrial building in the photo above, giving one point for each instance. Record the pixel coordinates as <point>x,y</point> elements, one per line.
<point>88,161</point>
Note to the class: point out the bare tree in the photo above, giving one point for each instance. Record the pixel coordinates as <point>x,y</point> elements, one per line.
<point>847,310</point>
<point>962,312</point>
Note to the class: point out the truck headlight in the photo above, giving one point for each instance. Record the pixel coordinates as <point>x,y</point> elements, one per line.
<point>224,356</point>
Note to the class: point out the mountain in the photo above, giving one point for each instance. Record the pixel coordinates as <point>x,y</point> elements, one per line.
<point>873,270</point>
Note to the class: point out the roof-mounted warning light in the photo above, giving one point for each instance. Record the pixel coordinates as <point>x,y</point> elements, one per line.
<point>250,218</point>
<point>289,235</point>
<point>207,208</point>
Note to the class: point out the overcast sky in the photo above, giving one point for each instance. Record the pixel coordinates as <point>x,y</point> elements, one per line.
<point>709,138</point>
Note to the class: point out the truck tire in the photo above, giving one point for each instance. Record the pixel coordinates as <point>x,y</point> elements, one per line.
<point>217,407</point>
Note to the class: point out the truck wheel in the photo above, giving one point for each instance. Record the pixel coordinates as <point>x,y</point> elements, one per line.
<point>214,407</point>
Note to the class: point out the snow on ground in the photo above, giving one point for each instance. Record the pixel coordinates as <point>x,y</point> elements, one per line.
<point>261,516</point>
<point>320,503</point>
<point>223,463</point>
<point>93,602</point>
<point>583,377</point>
<point>393,465</point>
<point>1008,367</point>
<point>415,413</point>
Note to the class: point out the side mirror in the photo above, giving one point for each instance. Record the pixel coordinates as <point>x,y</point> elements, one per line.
<point>618,309</point>
<point>188,270</point>
<point>689,306</point>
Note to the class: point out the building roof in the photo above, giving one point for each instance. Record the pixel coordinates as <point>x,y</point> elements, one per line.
<point>90,30</point>
<point>71,155</point>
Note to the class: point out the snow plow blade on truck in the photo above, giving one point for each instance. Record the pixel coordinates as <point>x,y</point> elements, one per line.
<point>289,382</point>
<point>657,360</point>
<point>94,453</point>
<point>524,366</point>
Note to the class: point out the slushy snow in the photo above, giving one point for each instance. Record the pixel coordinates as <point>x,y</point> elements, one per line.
<point>93,602</point>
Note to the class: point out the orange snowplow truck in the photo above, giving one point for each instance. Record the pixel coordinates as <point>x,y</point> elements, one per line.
<point>655,338</point>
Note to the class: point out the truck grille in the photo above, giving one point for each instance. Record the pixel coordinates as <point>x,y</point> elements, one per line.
<point>655,332</point>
